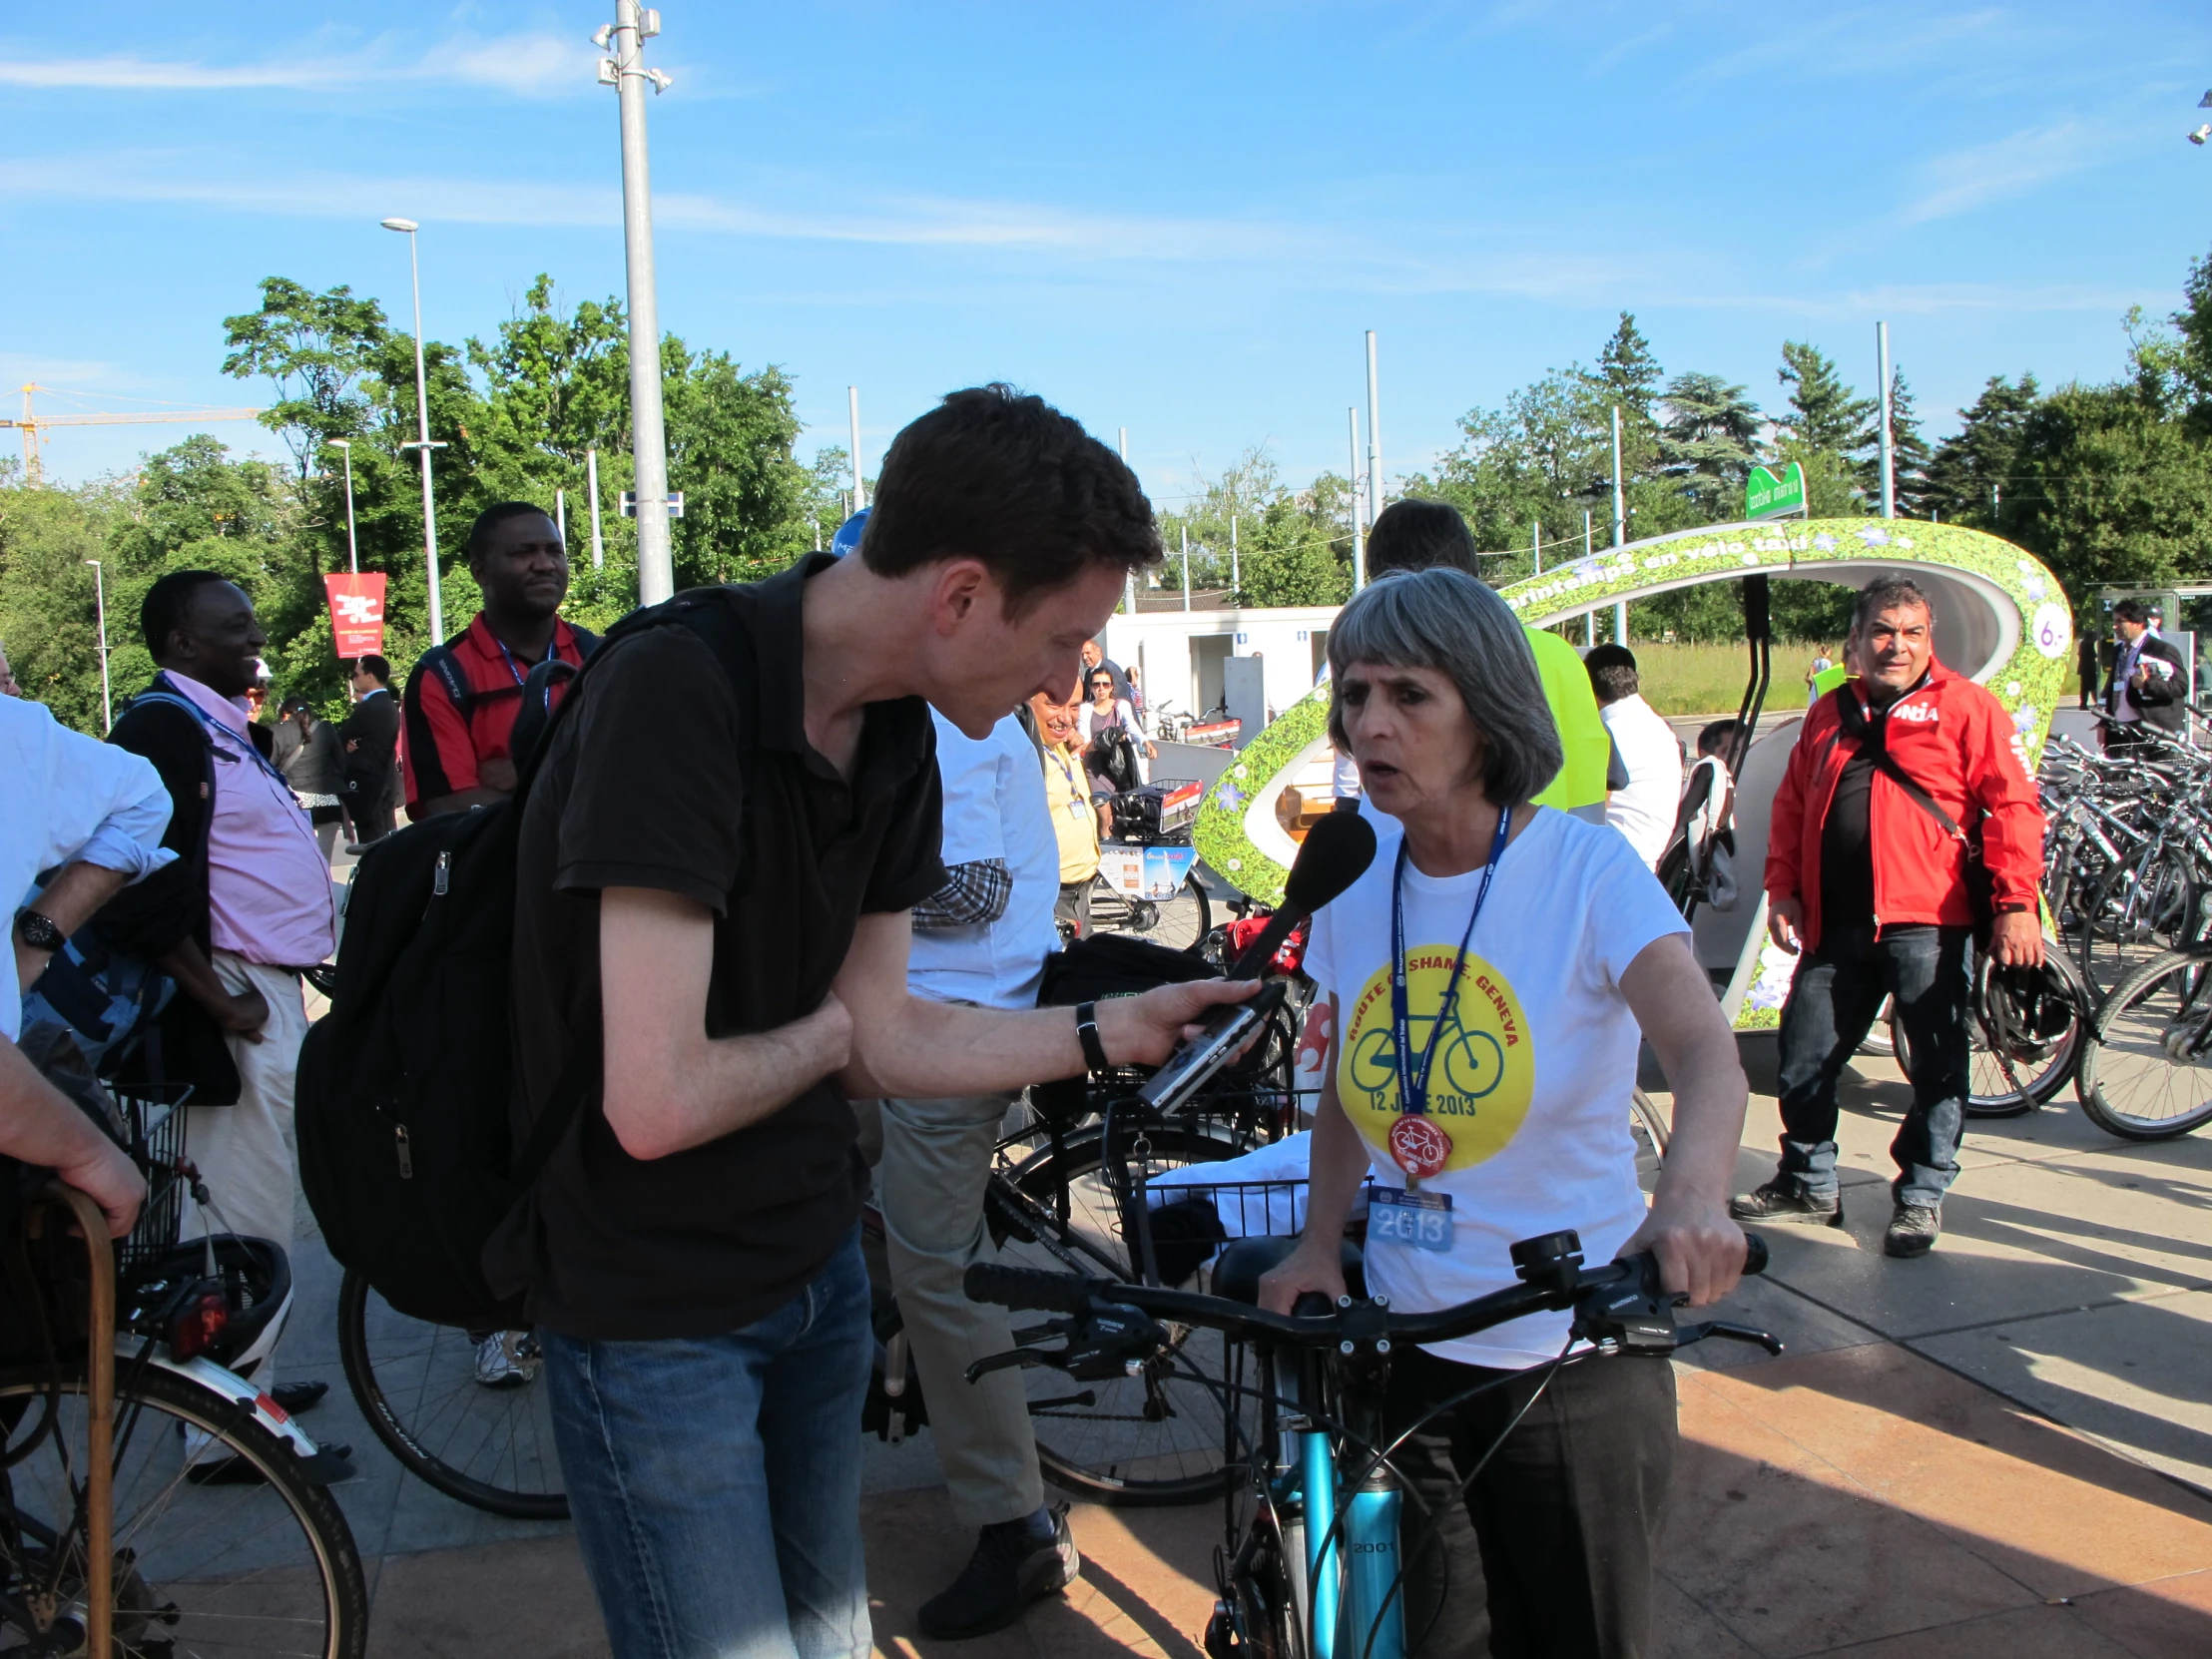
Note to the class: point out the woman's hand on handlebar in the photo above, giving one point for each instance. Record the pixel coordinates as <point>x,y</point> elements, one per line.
<point>1700,1249</point>
<point>1316,1265</point>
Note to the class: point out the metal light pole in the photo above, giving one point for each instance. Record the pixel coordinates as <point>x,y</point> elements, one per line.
<point>1236,571</point>
<point>1536,543</point>
<point>100,599</point>
<point>1375,439</point>
<point>1185,567</point>
<point>1889,449</point>
<point>560,520</point>
<point>591,483</point>
<point>1589,618</point>
<point>422,443</point>
<point>625,71</point>
<point>1620,526</point>
<point>853,412</point>
<point>353,547</point>
<point>1359,546</point>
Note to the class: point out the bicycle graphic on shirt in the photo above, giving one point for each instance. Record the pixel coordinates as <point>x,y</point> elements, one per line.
<point>1470,1065</point>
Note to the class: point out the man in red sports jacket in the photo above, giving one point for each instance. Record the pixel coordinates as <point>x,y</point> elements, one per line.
<point>1871,885</point>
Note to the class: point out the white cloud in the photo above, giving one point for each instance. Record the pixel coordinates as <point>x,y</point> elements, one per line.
<point>530,65</point>
<point>1968,178</point>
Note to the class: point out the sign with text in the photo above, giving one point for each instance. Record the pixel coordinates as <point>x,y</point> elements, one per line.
<point>357,613</point>
<point>1767,495</point>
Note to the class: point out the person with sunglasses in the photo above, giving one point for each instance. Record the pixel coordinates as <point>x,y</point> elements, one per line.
<point>1106,712</point>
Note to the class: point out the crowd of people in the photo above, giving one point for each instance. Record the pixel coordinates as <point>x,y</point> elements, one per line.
<point>781,917</point>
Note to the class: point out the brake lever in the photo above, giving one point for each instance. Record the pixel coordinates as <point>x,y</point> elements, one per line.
<point>1685,1334</point>
<point>1108,1342</point>
<point>1015,1358</point>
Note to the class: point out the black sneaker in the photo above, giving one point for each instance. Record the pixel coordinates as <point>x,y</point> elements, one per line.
<point>1010,1568</point>
<point>235,1470</point>
<point>1783,1200</point>
<point>294,1397</point>
<point>1912,1231</point>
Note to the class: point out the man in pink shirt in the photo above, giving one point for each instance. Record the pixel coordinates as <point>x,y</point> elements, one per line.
<point>244,908</point>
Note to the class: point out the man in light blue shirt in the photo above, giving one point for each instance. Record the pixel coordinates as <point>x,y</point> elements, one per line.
<point>983,938</point>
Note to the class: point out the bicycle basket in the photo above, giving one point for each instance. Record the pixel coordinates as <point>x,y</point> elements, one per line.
<point>154,1119</point>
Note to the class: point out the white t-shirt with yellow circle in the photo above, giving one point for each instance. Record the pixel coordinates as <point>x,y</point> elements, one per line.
<point>1531,1089</point>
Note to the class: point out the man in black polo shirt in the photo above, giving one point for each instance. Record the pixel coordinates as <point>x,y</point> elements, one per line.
<point>711,941</point>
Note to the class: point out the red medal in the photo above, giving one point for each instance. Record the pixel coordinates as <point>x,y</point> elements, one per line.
<point>1419,1147</point>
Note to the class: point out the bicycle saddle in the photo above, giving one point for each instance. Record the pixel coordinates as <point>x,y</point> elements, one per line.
<point>1237,1271</point>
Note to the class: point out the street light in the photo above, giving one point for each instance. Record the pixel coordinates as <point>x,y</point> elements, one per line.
<point>352,551</point>
<point>408,227</point>
<point>624,69</point>
<point>100,599</point>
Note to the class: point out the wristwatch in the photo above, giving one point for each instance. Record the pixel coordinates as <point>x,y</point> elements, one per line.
<point>38,933</point>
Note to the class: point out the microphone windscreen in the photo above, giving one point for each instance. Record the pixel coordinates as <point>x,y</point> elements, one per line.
<point>1335,852</point>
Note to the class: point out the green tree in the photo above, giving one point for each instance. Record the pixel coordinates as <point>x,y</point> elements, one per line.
<point>1970,470</point>
<point>1826,418</point>
<point>314,348</point>
<point>1709,444</point>
<point>1909,451</point>
<point>1628,379</point>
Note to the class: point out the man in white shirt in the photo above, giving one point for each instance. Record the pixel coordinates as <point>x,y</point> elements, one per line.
<point>983,939</point>
<point>1644,811</point>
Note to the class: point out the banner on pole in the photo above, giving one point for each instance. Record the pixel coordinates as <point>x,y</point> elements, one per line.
<point>1769,494</point>
<point>357,613</point>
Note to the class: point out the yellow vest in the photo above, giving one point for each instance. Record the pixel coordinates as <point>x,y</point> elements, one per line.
<point>1582,736</point>
<point>1828,679</point>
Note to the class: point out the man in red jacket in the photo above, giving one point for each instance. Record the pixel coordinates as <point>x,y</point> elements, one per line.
<point>1872,887</point>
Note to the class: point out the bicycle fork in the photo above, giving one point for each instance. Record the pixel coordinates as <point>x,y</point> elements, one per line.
<point>1358,1597</point>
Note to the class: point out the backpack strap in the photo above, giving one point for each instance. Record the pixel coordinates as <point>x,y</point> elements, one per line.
<point>440,661</point>
<point>1853,720</point>
<point>711,614</point>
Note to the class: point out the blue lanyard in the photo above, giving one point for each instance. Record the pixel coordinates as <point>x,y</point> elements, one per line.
<point>552,650</point>
<point>244,739</point>
<point>1413,1090</point>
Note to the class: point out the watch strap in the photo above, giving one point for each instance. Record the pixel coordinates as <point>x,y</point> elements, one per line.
<point>1086,1032</point>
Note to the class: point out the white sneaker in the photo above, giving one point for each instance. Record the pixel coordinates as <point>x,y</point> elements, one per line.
<point>507,1359</point>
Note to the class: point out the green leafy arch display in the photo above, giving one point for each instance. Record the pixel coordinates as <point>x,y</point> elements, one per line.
<point>1995,604</point>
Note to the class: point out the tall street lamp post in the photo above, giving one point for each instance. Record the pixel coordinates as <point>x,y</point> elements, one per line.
<point>352,548</point>
<point>408,227</point>
<point>624,69</point>
<point>100,599</point>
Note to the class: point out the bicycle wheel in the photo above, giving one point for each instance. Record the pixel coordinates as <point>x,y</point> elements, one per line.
<point>230,1570</point>
<point>1180,923</point>
<point>1159,1439</point>
<point>2044,1065</point>
<point>2136,915</point>
<point>2145,1075</point>
<point>416,1384</point>
<point>1651,1128</point>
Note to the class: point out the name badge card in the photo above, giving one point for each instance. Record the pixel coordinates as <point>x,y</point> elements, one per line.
<point>1421,1220</point>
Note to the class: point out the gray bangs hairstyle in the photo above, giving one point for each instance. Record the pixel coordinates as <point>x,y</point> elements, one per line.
<point>1445,620</point>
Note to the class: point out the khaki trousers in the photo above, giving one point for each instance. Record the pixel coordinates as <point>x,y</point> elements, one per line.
<point>247,1153</point>
<point>937,1161</point>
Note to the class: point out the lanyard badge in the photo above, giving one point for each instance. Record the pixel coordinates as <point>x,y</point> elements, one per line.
<point>1417,1145</point>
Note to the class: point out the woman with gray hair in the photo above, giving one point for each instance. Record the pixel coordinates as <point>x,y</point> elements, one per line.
<point>1487,980</point>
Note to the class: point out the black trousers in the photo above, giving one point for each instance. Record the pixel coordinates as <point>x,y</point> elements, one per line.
<point>1549,1556</point>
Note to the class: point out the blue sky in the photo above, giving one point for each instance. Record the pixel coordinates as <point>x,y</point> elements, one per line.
<point>1174,218</point>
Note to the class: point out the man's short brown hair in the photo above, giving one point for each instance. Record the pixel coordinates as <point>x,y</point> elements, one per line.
<point>1003,477</point>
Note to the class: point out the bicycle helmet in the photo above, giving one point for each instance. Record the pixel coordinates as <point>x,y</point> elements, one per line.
<point>218,1295</point>
<point>2023,1009</point>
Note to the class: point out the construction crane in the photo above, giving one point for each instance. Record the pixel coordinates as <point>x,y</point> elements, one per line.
<point>33,426</point>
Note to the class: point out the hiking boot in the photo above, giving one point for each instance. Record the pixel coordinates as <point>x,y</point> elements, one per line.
<point>1011,1568</point>
<point>1783,1200</point>
<point>1913,1230</point>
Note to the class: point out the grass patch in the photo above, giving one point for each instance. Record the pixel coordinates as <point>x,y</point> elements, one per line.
<point>1709,679</point>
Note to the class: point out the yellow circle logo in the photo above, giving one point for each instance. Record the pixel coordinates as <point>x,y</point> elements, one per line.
<point>1482,1077</point>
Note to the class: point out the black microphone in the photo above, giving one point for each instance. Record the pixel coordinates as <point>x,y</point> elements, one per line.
<point>1335,852</point>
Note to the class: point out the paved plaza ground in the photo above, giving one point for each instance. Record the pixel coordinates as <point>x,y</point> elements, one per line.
<point>1999,1453</point>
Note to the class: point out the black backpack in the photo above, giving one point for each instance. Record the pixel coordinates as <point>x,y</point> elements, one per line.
<point>406,1153</point>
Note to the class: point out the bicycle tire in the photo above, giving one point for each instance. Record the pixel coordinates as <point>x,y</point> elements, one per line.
<point>1123,1470</point>
<point>1179,923</point>
<point>165,1545</point>
<point>2124,929</point>
<point>2129,1025</point>
<point>490,1449</point>
<point>1989,1093</point>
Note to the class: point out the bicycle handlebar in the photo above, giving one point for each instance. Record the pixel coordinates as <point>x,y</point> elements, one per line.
<point>1062,1292</point>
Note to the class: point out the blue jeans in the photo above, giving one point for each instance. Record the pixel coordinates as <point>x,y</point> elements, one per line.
<point>1832,1001</point>
<point>715,1480</point>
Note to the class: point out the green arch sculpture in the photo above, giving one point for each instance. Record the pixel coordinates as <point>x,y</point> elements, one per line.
<point>2002,619</point>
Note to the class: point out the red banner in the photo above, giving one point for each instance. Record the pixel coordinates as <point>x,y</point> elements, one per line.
<point>357,613</point>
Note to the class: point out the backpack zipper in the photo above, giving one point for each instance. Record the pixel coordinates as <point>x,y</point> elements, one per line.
<point>406,1156</point>
<point>439,881</point>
